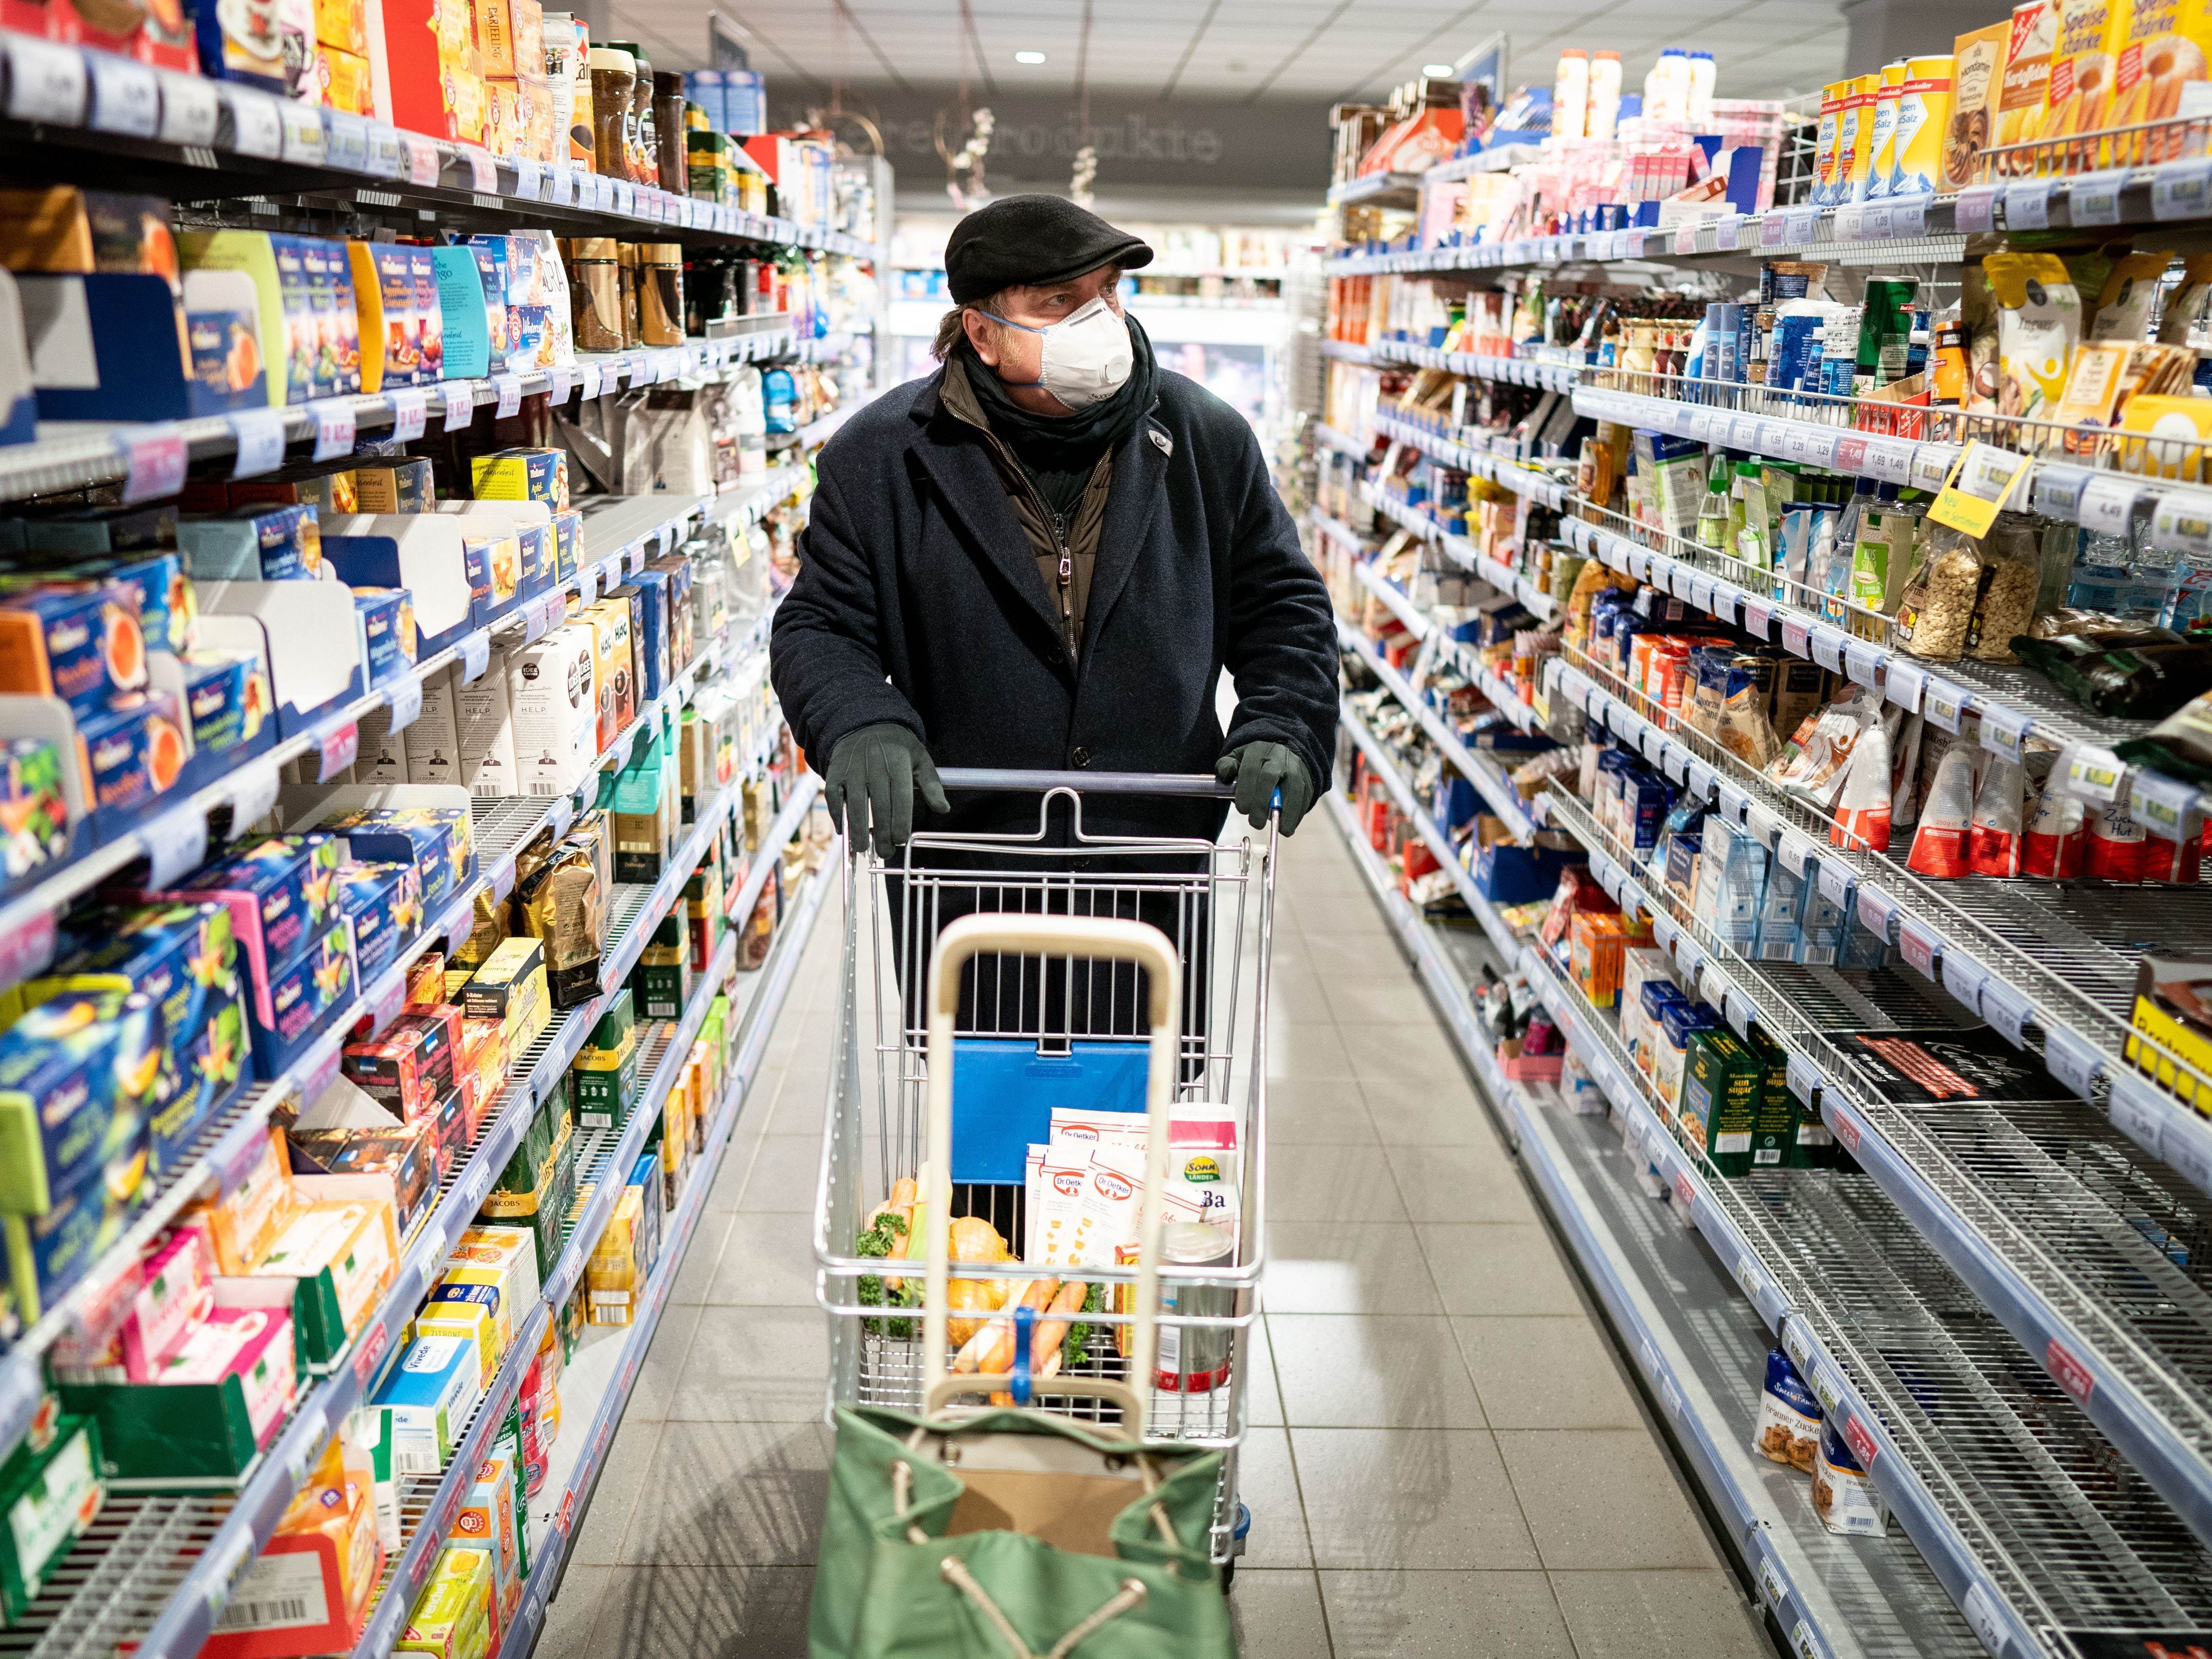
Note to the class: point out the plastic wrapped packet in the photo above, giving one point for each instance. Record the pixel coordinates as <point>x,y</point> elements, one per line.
<point>1842,1496</point>
<point>1905,773</point>
<point>1993,841</point>
<point>2004,604</point>
<point>2057,837</point>
<point>1937,606</point>
<point>1863,807</point>
<point>1741,727</point>
<point>2116,849</point>
<point>1790,1417</point>
<point>1940,841</point>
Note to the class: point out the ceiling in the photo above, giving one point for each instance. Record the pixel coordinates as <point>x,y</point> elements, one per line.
<point>1237,50</point>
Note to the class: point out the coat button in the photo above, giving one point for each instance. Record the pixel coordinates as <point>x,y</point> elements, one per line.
<point>1081,756</point>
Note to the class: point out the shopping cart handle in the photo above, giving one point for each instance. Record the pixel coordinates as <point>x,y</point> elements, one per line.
<point>1000,778</point>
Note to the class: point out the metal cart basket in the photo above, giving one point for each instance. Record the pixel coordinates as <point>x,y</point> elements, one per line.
<point>1051,1028</point>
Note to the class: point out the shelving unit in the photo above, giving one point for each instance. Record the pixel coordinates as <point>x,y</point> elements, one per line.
<point>1998,1301</point>
<point>153,1572</point>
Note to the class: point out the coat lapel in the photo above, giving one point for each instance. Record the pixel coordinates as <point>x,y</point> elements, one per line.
<point>1135,507</point>
<point>968,485</point>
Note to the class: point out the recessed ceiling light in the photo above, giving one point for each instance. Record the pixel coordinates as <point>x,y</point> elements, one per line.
<point>1029,57</point>
<point>1436,69</point>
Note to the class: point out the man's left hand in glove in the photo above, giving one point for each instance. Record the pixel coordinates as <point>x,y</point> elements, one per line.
<point>1259,770</point>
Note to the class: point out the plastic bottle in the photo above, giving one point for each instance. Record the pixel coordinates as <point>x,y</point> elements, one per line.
<point>1699,105</point>
<point>1604,94</point>
<point>1673,87</point>
<point>779,396</point>
<point>1570,94</point>
<point>1714,528</point>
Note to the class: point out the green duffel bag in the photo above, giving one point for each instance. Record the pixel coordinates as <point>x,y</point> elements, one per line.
<point>1012,1534</point>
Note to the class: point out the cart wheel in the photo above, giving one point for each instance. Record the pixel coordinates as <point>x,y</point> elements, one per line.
<point>1236,1545</point>
<point>1229,1575</point>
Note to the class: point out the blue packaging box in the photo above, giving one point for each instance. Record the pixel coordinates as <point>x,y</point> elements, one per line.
<point>540,562</point>
<point>268,543</point>
<point>227,699</point>
<point>1506,874</point>
<point>296,1001</point>
<point>567,542</point>
<point>384,903</point>
<point>438,841</point>
<point>654,655</point>
<point>386,615</point>
<point>211,1066</point>
<point>48,1253</point>
<point>79,1075</point>
<point>183,957</point>
<point>279,893</point>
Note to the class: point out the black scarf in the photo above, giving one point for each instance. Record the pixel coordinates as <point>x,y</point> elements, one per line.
<point>1059,450</point>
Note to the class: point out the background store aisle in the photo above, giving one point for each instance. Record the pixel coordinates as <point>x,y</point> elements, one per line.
<point>1443,1459</point>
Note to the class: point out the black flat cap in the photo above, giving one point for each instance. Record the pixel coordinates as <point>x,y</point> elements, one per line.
<point>1026,241</point>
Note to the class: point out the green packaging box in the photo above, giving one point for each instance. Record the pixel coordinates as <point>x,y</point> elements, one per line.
<point>1719,1113</point>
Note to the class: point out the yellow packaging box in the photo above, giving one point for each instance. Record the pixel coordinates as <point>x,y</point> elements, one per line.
<point>1854,133</point>
<point>468,1322</point>
<point>2081,95</point>
<point>614,668</point>
<point>347,83</point>
<point>342,24</point>
<point>1923,122</point>
<point>1881,143</point>
<point>1978,62</point>
<point>2160,46</point>
<point>451,1618</point>
<point>2175,432</point>
<point>2027,90</point>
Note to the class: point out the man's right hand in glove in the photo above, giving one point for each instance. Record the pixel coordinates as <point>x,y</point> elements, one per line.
<point>870,786</point>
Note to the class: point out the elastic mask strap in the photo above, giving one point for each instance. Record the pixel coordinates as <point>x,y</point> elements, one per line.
<point>1025,328</point>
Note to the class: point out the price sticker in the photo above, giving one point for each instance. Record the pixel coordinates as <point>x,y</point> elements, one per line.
<point>126,97</point>
<point>1918,944</point>
<point>28,946</point>
<point>1795,852</point>
<point>1873,221</point>
<point>1863,662</point>
<point>2092,772</point>
<point>2106,504</point>
<point>1740,1011</point>
<point>529,178</point>
<point>2182,189</point>
<point>2182,519</point>
<point>256,122</point>
<point>1876,908</point>
<point>2027,204</point>
<point>587,584</point>
<point>333,427</point>
<point>1836,881</point>
<point>1685,239</point>
<point>508,390</point>
<point>339,747</point>
<point>1889,459</point>
<point>1804,1078</point>
<point>1903,682</point>
<point>422,165</point>
<point>1743,433</point>
<point>483,173</point>
<point>176,844</point>
<point>253,797</point>
<point>460,404</point>
<point>476,655</point>
<point>1727,228</point>
<point>1963,978</point>
<point>1765,827</point>
<point>638,367</point>
<point>409,410</point>
<point>1689,957</point>
<point>386,158</point>
<point>1757,613</point>
<point>1701,590</point>
<point>560,186</point>
<point>2094,198</point>
<point>2160,804</point>
<point>2006,1009</point>
<point>191,113</point>
<point>1975,209</point>
<point>1797,636</point>
<point>153,462</point>
<point>1663,930</point>
<point>1943,703</point>
<point>1908,216</point>
<point>1827,647</point>
<point>587,380</point>
<point>2072,1060</point>
<point>303,139</point>
<point>406,703</point>
<point>2187,1145</point>
<point>2005,731</point>
<point>1699,781</point>
<point>45,81</point>
<point>1804,227</point>
<point>1773,229</point>
<point>1735,804</point>
<point>1850,222</point>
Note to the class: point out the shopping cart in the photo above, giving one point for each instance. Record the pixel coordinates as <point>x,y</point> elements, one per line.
<point>1049,1027</point>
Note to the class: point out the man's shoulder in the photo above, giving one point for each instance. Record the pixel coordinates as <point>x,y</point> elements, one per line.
<point>881,425</point>
<point>1183,405</point>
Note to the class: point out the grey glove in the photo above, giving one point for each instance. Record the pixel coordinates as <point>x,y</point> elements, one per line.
<point>871,783</point>
<point>1258,770</point>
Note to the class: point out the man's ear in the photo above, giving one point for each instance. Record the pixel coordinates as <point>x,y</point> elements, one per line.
<point>982,335</point>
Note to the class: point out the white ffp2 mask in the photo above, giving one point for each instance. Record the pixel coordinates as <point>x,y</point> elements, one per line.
<point>1087,357</point>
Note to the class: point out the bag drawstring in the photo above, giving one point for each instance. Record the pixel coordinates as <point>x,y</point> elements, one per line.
<point>955,1572</point>
<point>902,1496</point>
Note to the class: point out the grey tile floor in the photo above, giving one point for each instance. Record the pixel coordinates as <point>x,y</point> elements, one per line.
<point>1445,1457</point>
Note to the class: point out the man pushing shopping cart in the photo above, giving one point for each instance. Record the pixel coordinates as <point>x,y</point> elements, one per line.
<point>1033,568</point>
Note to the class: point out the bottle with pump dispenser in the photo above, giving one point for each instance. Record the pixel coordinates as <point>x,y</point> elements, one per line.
<point>1697,106</point>
<point>1604,116</point>
<point>1570,90</point>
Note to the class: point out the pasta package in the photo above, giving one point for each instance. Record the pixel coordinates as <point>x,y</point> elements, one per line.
<point>2038,326</point>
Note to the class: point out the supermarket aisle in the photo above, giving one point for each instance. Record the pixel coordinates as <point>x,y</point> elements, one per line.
<point>1445,1458</point>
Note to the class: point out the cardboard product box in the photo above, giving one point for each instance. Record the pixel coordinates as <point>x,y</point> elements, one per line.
<point>382,753</point>
<point>79,1076</point>
<point>342,1257</point>
<point>227,698</point>
<point>2170,1012</point>
<point>383,904</point>
<point>430,1394</point>
<point>268,543</point>
<point>48,1253</point>
<point>468,1316</point>
<point>386,617</point>
<point>533,475</point>
<point>438,841</point>
<point>183,957</point>
<point>243,1225</point>
<point>86,648</point>
<point>644,817</point>
<point>280,893</point>
<point>453,1617</point>
<point>426,553</point>
<point>433,742</point>
<point>401,1153</point>
<point>662,978</point>
<point>1722,1087</point>
<point>408,1068</point>
<point>647,594</point>
<point>603,1083</point>
<point>501,1261</point>
<point>401,484</point>
<point>488,1523</point>
<point>485,717</point>
<point>291,1004</point>
<point>552,698</point>
<point>511,978</point>
<point>212,1406</point>
<point>309,1590</point>
<point>49,1494</point>
<point>614,682</point>
<point>611,1273</point>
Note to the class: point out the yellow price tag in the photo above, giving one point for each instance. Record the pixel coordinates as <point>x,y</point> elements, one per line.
<point>1980,482</point>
